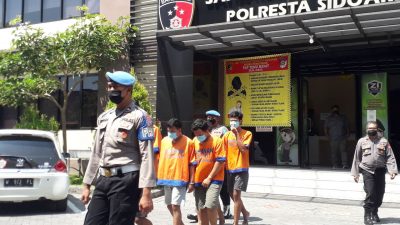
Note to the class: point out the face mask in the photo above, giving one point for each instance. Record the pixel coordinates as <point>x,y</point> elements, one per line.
<point>372,133</point>
<point>202,138</point>
<point>115,96</point>
<point>211,121</point>
<point>172,135</point>
<point>234,123</point>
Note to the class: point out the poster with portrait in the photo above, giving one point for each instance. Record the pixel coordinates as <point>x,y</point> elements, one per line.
<point>374,101</point>
<point>287,137</point>
<point>259,87</point>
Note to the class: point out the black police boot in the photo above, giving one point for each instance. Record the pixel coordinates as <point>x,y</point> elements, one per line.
<point>375,217</point>
<point>367,217</point>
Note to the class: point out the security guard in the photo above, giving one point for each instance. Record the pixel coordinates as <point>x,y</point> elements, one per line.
<point>373,157</point>
<point>122,158</point>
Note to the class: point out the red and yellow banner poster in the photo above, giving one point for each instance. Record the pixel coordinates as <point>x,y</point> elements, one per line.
<point>259,87</point>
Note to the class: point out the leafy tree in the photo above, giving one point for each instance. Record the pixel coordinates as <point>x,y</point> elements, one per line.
<point>139,94</point>
<point>32,119</point>
<point>39,64</point>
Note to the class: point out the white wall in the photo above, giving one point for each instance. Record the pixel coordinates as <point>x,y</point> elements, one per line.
<point>79,142</point>
<point>6,34</point>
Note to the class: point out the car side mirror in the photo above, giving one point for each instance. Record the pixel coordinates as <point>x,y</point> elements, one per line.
<point>66,155</point>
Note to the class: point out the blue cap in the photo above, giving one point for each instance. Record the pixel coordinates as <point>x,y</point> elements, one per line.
<point>121,77</point>
<point>212,113</point>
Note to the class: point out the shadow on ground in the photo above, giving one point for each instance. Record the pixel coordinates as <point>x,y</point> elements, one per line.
<point>390,220</point>
<point>39,208</point>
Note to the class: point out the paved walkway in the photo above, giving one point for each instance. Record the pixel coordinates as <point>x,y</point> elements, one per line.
<point>286,210</point>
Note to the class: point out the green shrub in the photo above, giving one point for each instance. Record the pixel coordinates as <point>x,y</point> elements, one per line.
<point>32,119</point>
<point>75,180</point>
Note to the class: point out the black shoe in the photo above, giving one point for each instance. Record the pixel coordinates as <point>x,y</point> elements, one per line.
<point>227,212</point>
<point>367,218</point>
<point>375,217</point>
<point>192,217</point>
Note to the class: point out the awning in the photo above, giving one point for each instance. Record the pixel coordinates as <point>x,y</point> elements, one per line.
<point>371,25</point>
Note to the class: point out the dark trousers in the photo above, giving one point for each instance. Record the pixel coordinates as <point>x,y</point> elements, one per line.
<point>224,194</point>
<point>115,200</point>
<point>374,187</point>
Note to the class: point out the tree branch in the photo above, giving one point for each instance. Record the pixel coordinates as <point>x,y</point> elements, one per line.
<point>52,99</point>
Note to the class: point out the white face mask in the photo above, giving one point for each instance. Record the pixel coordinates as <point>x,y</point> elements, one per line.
<point>234,123</point>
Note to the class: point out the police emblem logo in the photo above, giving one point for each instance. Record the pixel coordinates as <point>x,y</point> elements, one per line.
<point>175,14</point>
<point>20,162</point>
<point>374,87</point>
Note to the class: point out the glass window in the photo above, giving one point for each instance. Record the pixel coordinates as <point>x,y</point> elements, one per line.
<point>89,102</point>
<point>94,6</point>
<point>37,151</point>
<point>1,13</point>
<point>32,11</point>
<point>13,9</point>
<point>51,10</point>
<point>70,10</point>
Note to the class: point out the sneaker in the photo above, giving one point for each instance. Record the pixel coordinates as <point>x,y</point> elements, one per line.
<point>192,217</point>
<point>227,212</point>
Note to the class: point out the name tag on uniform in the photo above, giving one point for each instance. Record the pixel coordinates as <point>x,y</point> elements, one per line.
<point>146,134</point>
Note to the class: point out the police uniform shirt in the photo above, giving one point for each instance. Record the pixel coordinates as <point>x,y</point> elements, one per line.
<point>123,137</point>
<point>219,131</point>
<point>370,155</point>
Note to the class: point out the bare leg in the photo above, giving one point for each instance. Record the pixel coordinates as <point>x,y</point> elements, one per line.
<point>177,215</point>
<point>220,215</point>
<point>203,217</point>
<point>212,216</point>
<point>170,209</point>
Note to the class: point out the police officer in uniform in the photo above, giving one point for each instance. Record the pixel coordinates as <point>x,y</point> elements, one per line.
<point>122,159</point>
<point>373,156</point>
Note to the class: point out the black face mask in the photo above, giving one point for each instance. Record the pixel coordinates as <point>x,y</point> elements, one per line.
<point>115,96</point>
<point>212,121</point>
<point>372,133</point>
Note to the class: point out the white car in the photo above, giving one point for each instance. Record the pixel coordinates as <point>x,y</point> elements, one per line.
<point>32,168</point>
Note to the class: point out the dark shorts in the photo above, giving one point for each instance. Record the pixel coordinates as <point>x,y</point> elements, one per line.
<point>207,197</point>
<point>237,181</point>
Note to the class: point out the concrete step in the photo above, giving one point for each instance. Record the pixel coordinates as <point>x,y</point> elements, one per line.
<point>317,183</point>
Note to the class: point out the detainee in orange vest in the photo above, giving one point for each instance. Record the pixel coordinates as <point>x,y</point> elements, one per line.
<point>176,168</point>
<point>237,143</point>
<point>209,174</point>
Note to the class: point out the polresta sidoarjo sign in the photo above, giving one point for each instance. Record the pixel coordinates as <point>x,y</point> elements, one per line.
<point>216,11</point>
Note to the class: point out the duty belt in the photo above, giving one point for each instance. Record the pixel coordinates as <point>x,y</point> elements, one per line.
<point>119,170</point>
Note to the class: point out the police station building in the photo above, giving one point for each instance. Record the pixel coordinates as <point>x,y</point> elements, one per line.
<point>339,52</point>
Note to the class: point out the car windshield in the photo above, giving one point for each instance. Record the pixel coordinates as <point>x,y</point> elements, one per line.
<point>36,152</point>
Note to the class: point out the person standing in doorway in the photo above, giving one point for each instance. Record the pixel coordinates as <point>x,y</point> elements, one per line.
<point>237,145</point>
<point>176,168</point>
<point>209,176</point>
<point>122,157</point>
<point>373,156</point>
<point>337,131</point>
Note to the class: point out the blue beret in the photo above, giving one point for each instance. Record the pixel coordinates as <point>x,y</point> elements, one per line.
<point>212,113</point>
<point>121,77</point>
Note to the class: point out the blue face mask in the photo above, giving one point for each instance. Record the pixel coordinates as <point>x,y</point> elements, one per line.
<point>202,138</point>
<point>234,123</point>
<point>172,135</point>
